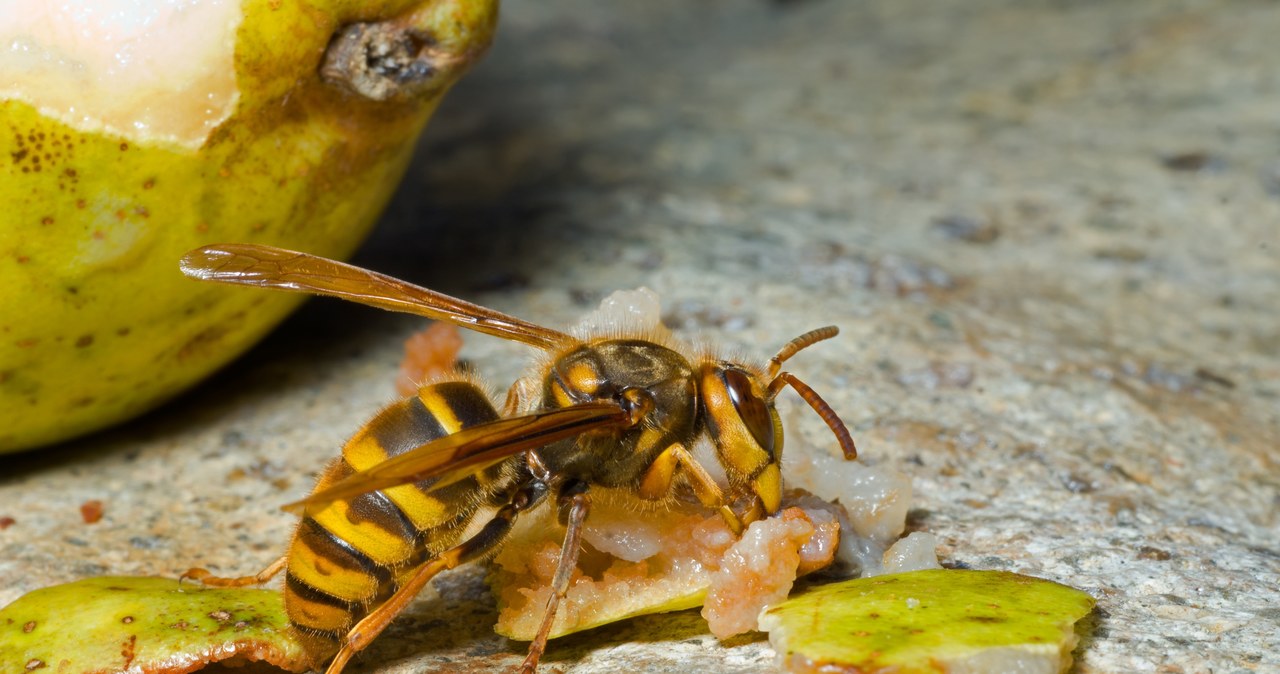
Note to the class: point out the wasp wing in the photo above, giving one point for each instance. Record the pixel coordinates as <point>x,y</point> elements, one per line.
<point>453,457</point>
<point>269,267</point>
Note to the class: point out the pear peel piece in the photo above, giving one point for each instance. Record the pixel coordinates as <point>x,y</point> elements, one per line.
<point>146,625</point>
<point>931,621</point>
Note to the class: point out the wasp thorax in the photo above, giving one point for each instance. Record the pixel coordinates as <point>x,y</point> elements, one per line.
<point>653,383</point>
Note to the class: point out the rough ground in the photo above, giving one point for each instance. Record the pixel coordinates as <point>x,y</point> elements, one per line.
<point>1048,231</point>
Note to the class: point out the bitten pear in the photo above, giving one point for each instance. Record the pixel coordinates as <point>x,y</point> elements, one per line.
<point>130,134</point>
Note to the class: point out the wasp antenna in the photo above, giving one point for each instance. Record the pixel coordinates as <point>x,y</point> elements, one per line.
<point>793,347</point>
<point>816,402</point>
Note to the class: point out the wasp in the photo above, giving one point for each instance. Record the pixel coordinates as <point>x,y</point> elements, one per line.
<point>438,479</point>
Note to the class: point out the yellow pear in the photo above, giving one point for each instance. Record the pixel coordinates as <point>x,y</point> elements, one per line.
<point>133,132</point>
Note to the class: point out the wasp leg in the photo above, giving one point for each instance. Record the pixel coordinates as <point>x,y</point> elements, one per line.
<point>482,543</point>
<point>656,483</point>
<point>206,578</point>
<point>579,504</point>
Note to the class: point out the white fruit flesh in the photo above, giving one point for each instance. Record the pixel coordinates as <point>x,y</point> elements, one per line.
<point>160,70</point>
<point>655,560</point>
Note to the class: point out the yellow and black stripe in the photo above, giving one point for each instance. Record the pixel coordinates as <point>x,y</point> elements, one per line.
<point>350,556</point>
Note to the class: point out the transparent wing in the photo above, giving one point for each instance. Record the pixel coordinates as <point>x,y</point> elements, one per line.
<point>469,451</point>
<point>269,267</point>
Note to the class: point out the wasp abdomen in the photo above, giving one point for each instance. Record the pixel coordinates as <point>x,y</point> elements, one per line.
<point>347,558</point>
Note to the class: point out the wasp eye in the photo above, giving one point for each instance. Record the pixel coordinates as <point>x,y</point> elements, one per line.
<point>751,408</point>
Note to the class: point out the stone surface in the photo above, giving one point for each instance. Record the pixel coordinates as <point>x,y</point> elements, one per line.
<point>1048,231</point>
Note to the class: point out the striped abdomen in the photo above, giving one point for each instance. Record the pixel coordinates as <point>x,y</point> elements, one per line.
<point>352,555</point>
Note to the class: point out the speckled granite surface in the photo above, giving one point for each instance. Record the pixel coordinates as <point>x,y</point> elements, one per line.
<point>1048,230</point>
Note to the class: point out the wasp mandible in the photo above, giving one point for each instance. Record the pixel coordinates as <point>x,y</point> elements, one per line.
<point>599,410</point>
